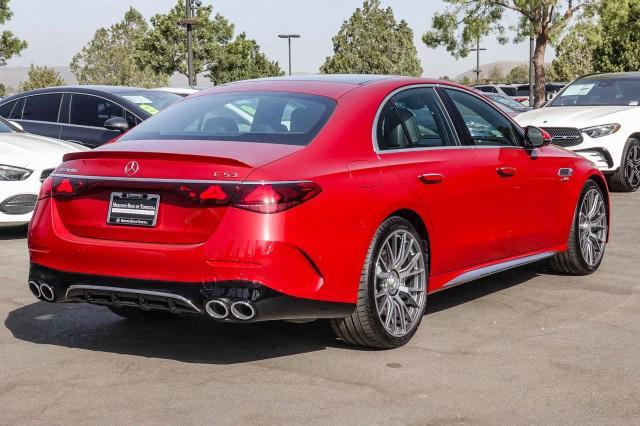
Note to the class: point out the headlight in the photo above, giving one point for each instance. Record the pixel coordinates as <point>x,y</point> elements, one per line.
<point>13,173</point>
<point>600,131</point>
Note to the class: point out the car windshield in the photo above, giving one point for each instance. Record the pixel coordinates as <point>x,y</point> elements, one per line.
<point>269,117</point>
<point>615,91</point>
<point>151,101</point>
<point>6,127</point>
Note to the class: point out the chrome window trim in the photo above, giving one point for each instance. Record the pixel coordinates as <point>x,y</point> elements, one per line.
<point>374,130</point>
<point>163,180</point>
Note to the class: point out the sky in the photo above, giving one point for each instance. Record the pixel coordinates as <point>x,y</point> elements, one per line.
<point>56,30</point>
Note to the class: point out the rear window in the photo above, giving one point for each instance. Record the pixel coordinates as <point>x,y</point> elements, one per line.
<point>284,118</point>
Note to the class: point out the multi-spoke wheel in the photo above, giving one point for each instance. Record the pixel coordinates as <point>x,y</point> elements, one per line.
<point>588,236</point>
<point>393,289</point>
<point>627,177</point>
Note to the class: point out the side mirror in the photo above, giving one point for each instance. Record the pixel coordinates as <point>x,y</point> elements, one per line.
<point>17,125</point>
<point>117,123</point>
<point>535,137</point>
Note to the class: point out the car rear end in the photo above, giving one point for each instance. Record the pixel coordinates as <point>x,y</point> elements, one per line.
<point>168,218</point>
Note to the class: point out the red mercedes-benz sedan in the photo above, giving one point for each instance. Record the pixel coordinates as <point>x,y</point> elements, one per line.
<point>343,197</point>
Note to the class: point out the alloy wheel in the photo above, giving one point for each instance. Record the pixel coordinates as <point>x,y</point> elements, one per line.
<point>400,282</point>
<point>592,225</point>
<point>632,166</point>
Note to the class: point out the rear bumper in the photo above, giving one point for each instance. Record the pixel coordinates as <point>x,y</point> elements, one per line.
<point>189,298</point>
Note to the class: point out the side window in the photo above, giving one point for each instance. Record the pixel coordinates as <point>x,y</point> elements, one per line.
<point>390,132</point>
<point>424,118</point>
<point>42,107</point>
<point>92,110</point>
<point>5,110</point>
<point>485,125</point>
<point>131,119</point>
<point>16,114</point>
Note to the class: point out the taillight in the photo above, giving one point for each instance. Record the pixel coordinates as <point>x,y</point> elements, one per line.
<point>45,189</point>
<point>274,197</point>
<point>208,195</point>
<point>66,187</point>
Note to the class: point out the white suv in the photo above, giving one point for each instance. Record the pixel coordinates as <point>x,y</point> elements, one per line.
<point>598,117</point>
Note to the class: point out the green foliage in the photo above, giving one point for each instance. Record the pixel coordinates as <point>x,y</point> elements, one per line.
<point>109,58</point>
<point>164,49</point>
<point>242,60</point>
<point>41,77</point>
<point>372,42</point>
<point>3,90</point>
<point>574,52</point>
<point>464,21</point>
<point>519,74</point>
<point>618,48</point>
<point>10,45</point>
<point>465,81</point>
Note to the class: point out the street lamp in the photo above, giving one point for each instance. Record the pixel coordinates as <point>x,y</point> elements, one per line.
<point>189,22</point>
<point>289,37</point>
<point>477,50</point>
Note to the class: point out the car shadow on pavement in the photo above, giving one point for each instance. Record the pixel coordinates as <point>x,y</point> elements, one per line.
<point>200,340</point>
<point>13,233</point>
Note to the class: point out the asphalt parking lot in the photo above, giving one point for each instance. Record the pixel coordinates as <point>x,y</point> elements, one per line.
<point>524,346</point>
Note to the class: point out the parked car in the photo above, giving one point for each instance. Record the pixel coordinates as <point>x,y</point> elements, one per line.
<point>508,105</point>
<point>510,90</point>
<point>342,197</point>
<point>25,162</point>
<point>598,117</point>
<point>183,92</point>
<point>89,115</point>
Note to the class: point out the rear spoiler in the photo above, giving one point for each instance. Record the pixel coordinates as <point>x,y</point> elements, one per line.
<point>128,155</point>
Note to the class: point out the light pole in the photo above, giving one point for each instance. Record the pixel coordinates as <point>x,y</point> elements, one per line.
<point>477,50</point>
<point>289,37</point>
<point>189,22</point>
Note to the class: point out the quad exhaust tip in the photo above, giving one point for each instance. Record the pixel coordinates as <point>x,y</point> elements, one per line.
<point>221,309</point>
<point>35,289</point>
<point>42,291</point>
<point>217,308</point>
<point>243,310</point>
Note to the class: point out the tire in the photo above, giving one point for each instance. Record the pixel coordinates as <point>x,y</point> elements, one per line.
<point>627,177</point>
<point>136,314</point>
<point>577,259</point>
<point>391,320</point>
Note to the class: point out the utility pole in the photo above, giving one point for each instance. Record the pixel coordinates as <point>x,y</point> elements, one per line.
<point>189,22</point>
<point>289,37</point>
<point>477,50</point>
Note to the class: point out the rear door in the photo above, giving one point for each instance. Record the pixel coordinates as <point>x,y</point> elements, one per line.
<point>87,114</point>
<point>524,192</point>
<point>416,143</point>
<point>40,114</point>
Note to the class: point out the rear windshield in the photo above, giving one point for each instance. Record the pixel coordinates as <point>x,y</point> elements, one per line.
<point>151,101</point>
<point>269,117</point>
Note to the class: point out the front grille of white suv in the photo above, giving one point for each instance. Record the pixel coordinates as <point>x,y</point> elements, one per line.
<point>565,136</point>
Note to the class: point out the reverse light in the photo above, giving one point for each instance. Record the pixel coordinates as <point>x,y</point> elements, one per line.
<point>600,131</point>
<point>274,197</point>
<point>13,173</point>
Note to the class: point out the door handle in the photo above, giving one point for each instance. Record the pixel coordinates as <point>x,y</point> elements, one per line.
<point>431,178</point>
<point>506,171</point>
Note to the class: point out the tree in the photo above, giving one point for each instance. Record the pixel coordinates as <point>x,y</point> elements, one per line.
<point>465,81</point>
<point>40,77</point>
<point>618,47</point>
<point>372,42</point>
<point>575,52</point>
<point>242,60</point>
<point>10,45</point>
<point>164,48</point>
<point>109,58</point>
<point>519,74</point>
<point>464,21</point>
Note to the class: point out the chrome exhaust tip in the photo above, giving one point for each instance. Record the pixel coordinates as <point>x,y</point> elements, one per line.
<point>35,289</point>
<point>217,308</point>
<point>243,310</point>
<point>47,292</point>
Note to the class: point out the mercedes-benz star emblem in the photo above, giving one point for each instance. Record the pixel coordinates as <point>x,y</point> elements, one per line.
<point>131,168</point>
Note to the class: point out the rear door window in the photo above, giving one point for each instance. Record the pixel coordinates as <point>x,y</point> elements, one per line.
<point>93,111</point>
<point>5,110</point>
<point>42,107</point>
<point>16,113</point>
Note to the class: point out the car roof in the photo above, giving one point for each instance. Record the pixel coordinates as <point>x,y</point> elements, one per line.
<point>329,85</point>
<point>611,75</point>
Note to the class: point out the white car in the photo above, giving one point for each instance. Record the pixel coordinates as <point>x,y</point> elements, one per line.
<point>180,91</point>
<point>25,161</point>
<point>598,117</point>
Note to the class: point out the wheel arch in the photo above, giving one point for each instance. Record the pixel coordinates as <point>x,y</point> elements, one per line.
<point>416,220</point>
<point>602,184</point>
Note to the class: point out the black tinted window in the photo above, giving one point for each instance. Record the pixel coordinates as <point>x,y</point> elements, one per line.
<point>42,107</point>
<point>16,114</point>
<point>5,110</point>
<point>485,125</point>
<point>92,110</point>
<point>270,117</point>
